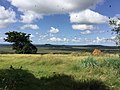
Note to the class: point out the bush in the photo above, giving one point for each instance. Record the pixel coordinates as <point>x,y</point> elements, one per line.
<point>90,62</point>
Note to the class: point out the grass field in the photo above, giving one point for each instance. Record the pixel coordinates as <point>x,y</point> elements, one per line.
<point>64,72</point>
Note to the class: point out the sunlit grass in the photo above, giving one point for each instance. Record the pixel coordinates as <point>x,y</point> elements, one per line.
<point>80,67</point>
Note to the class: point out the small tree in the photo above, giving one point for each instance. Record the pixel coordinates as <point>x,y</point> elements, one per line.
<point>115,23</point>
<point>21,42</point>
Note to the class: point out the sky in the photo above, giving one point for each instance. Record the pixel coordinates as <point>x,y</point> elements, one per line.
<point>60,22</point>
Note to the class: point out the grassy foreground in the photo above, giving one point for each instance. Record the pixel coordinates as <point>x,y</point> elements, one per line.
<point>59,72</point>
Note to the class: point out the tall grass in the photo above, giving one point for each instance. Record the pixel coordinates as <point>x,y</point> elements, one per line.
<point>113,63</point>
<point>84,68</point>
<point>90,62</point>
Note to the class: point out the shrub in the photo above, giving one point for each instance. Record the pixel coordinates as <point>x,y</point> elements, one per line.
<point>90,62</point>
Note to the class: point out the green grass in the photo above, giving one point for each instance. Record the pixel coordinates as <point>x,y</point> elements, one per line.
<point>65,72</point>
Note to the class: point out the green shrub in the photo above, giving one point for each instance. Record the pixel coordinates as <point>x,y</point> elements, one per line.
<point>90,62</point>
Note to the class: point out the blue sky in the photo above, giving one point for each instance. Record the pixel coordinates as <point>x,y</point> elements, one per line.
<point>69,22</point>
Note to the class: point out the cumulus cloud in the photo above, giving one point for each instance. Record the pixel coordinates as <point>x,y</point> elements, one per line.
<point>54,30</point>
<point>88,17</point>
<point>54,7</point>
<point>36,9</point>
<point>76,40</point>
<point>98,40</point>
<point>30,16</point>
<point>65,40</point>
<point>57,39</point>
<point>86,32</point>
<point>7,17</point>
<point>30,26</point>
<point>83,27</point>
<point>54,39</point>
<point>85,20</point>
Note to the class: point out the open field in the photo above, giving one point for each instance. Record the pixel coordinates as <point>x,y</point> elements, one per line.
<point>65,72</point>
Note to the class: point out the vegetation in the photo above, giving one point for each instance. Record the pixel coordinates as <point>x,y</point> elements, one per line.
<point>64,72</point>
<point>21,42</point>
<point>64,49</point>
<point>18,79</point>
<point>115,23</point>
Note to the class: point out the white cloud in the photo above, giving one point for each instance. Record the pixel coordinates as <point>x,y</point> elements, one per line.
<point>83,27</point>
<point>36,9</point>
<point>43,36</point>
<point>113,37</point>
<point>1,38</point>
<point>30,16</point>
<point>54,30</point>
<point>30,26</point>
<point>86,32</point>
<point>64,40</point>
<point>99,40</point>
<point>86,20</point>
<point>76,40</point>
<point>32,36</point>
<point>7,17</point>
<point>88,17</point>
<point>55,39</point>
<point>54,7</point>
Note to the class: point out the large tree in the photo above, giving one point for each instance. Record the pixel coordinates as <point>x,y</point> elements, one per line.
<point>115,23</point>
<point>21,42</point>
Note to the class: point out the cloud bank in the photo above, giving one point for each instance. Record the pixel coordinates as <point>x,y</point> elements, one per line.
<point>36,9</point>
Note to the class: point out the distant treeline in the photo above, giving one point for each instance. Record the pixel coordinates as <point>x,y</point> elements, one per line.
<point>62,49</point>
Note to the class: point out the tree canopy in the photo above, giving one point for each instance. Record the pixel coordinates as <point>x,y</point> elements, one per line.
<point>21,42</point>
<point>115,23</point>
